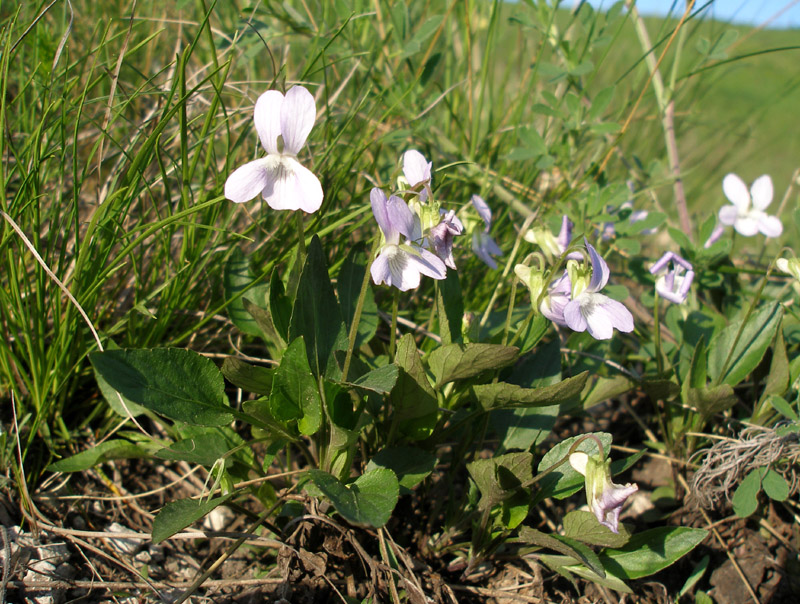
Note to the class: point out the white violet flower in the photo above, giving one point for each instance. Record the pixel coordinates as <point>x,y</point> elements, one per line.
<point>746,214</point>
<point>283,124</point>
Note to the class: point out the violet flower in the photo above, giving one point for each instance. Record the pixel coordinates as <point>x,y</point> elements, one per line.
<point>589,310</point>
<point>282,181</point>
<point>417,171</point>
<point>605,498</point>
<point>558,296</point>
<point>441,236</point>
<point>551,245</point>
<point>714,236</point>
<point>399,264</point>
<point>483,244</point>
<point>748,220</point>
<point>673,285</point>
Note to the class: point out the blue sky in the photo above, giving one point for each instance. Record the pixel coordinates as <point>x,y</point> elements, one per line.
<point>749,12</point>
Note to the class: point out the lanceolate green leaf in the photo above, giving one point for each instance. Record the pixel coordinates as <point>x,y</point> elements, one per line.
<point>410,464</point>
<point>506,396</point>
<point>563,545</point>
<point>369,500</point>
<point>179,384</point>
<point>380,380</point>
<point>294,390</point>
<point>650,551</point>
<point>733,355</point>
<point>449,308</point>
<point>584,527</point>
<point>107,451</point>
<point>460,361</point>
<point>177,515</point>
<point>316,314</point>
<point>414,404</point>
<point>252,378</point>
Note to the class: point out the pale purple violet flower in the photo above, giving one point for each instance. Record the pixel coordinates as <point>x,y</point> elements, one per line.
<point>745,219</point>
<point>282,181</point>
<point>714,236</point>
<point>399,264</point>
<point>441,236</point>
<point>483,244</point>
<point>565,238</point>
<point>417,171</point>
<point>605,498</point>
<point>589,310</point>
<point>558,296</point>
<point>673,285</point>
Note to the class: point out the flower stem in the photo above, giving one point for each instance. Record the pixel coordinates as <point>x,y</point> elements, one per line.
<point>393,334</point>
<point>351,336</point>
<point>657,327</point>
<point>561,461</point>
<point>301,234</point>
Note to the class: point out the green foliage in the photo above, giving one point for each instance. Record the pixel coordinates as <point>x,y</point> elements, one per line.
<point>369,500</point>
<point>177,515</point>
<point>116,147</point>
<point>178,384</point>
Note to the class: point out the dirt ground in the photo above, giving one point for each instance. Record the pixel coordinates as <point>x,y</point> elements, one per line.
<point>86,538</point>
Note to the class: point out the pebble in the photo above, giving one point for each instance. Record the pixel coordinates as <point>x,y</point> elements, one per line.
<point>127,547</point>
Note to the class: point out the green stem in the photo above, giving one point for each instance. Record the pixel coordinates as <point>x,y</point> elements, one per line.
<point>301,234</point>
<point>393,334</point>
<point>351,336</point>
<point>510,311</point>
<point>657,327</point>
<point>564,459</point>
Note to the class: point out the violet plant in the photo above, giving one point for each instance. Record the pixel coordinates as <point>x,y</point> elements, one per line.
<point>377,378</point>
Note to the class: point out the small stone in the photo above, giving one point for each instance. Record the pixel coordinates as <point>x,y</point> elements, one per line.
<point>124,546</point>
<point>217,519</point>
<point>143,557</point>
<point>55,553</point>
<point>40,570</point>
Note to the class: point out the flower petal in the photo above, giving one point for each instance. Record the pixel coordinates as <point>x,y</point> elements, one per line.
<point>600,272</point>
<point>310,189</point>
<point>291,186</point>
<point>598,322</point>
<point>297,118</point>
<point>483,210</point>
<point>380,269</point>
<point>578,461</point>
<point>565,234</point>
<point>428,264</point>
<point>770,226</point>
<point>377,199</point>
<point>405,275</point>
<point>728,215</point>
<point>416,168</point>
<point>247,181</point>
<point>747,225</point>
<point>401,216</point>
<point>620,317</point>
<point>736,191</point>
<point>267,116</point>
<point>761,192</point>
<point>573,316</point>
<point>482,246</point>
